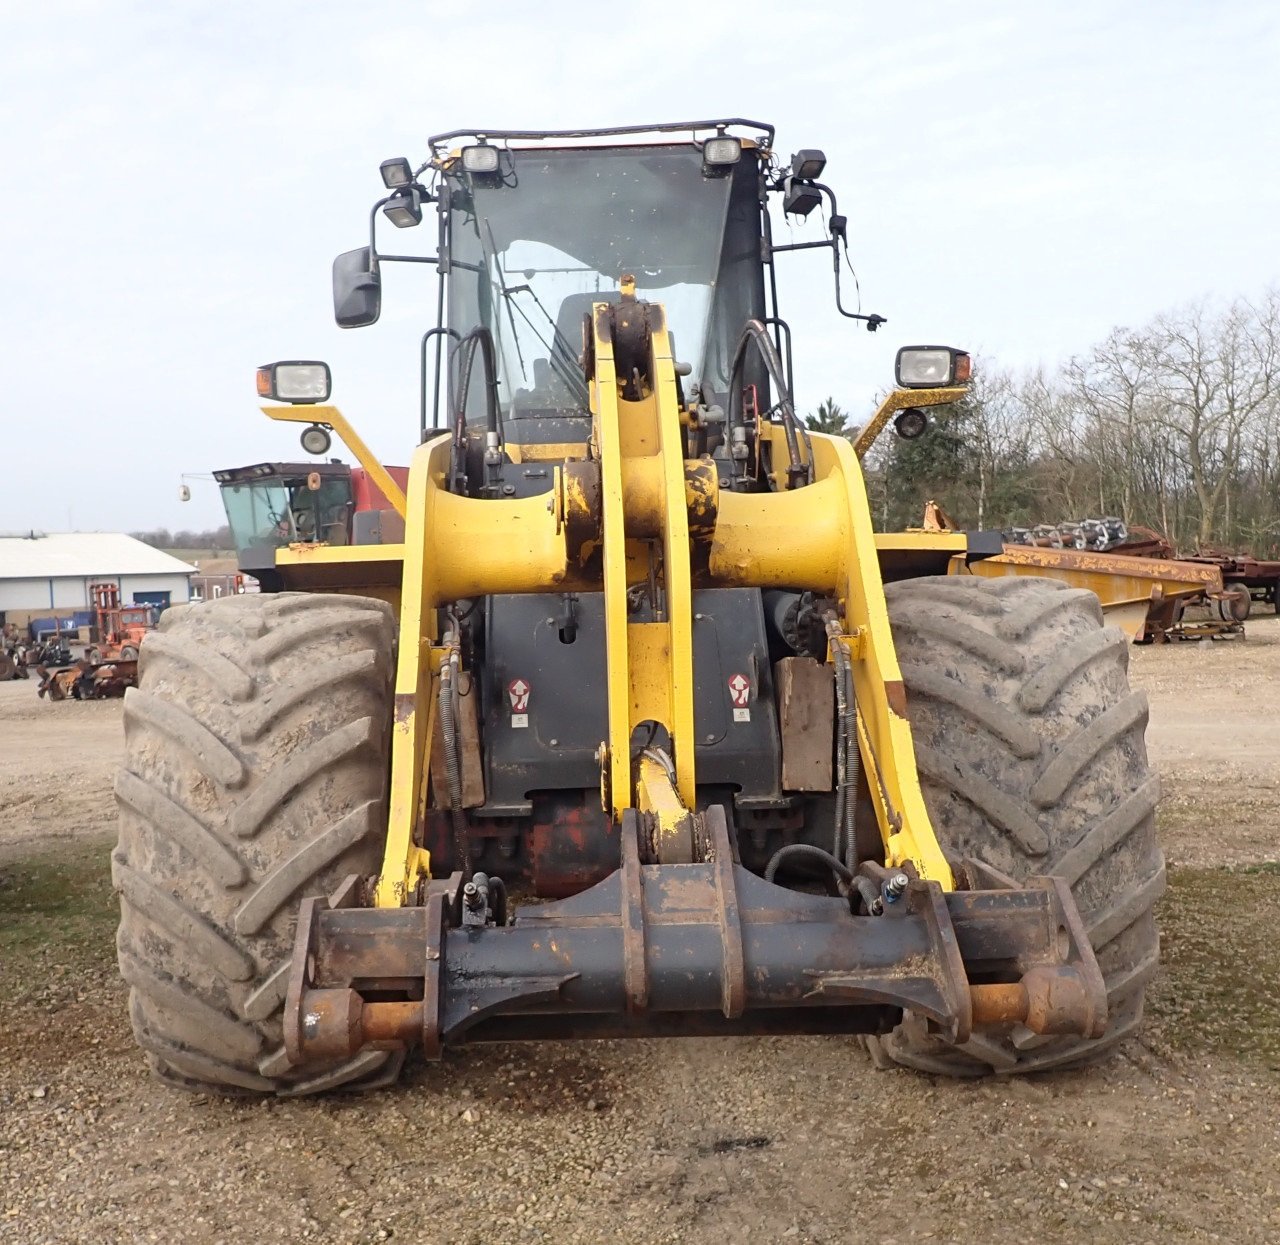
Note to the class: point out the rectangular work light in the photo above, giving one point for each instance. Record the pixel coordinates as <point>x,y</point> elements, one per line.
<point>480,158</point>
<point>800,198</point>
<point>932,367</point>
<point>300,381</point>
<point>719,155</point>
<point>808,163</point>
<point>404,209</point>
<point>396,173</point>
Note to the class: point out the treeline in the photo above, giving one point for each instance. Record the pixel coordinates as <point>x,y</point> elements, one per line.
<point>1174,425</point>
<point>163,538</point>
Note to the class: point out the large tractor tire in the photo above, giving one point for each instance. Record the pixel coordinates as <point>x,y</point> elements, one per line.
<point>255,774</point>
<point>1032,758</point>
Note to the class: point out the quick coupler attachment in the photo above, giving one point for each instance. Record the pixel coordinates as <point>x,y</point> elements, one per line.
<point>703,948</point>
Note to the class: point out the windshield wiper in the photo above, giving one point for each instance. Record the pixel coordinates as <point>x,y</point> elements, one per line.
<point>560,356</point>
<point>559,350</point>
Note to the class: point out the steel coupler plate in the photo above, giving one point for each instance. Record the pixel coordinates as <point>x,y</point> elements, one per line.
<point>705,948</point>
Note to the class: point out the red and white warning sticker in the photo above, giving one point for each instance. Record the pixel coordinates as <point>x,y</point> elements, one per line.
<point>518,691</point>
<point>740,694</point>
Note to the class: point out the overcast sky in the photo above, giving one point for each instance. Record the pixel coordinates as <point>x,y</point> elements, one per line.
<point>177,178</point>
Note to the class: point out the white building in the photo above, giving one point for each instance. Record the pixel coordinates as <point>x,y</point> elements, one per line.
<point>54,572</point>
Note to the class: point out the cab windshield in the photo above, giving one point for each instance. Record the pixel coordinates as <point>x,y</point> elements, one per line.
<point>279,512</point>
<point>533,246</point>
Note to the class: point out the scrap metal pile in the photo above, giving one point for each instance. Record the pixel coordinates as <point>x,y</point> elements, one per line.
<point>105,667</point>
<point>1096,534</point>
<point>86,680</point>
<point>1217,610</point>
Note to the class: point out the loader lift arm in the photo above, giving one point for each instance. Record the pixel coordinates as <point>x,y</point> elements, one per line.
<point>681,927</point>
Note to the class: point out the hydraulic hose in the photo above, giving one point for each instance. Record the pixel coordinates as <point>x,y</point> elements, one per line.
<point>498,899</point>
<point>447,705</point>
<point>755,333</point>
<point>481,339</point>
<point>453,769</point>
<point>807,850</point>
<point>852,764</point>
<point>842,750</point>
<point>848,760</point>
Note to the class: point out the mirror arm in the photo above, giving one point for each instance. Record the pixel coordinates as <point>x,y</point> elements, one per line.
<point>374,257</point>
<point>805,246</point>
<point>838,236</point>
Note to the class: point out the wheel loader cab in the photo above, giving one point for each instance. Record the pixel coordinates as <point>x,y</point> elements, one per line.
<point>644,665</point>
<point>536,244</point>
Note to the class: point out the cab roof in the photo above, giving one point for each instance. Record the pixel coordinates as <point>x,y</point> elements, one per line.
<point>761,134</point>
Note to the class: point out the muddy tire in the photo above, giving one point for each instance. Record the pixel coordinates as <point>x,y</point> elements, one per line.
<point>255,774</point>
<point>1032,758</point>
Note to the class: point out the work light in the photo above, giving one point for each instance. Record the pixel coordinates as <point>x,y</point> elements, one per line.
<point>800,198</point>
<point>719,155</point>
<point>301,382</point>
<point>480,158</point>
<point>404,209</point>
<point>396,173</point>
<point>315,439</point>
<point>911,423</point>
<point>932,367</point>
<point>808,163</point>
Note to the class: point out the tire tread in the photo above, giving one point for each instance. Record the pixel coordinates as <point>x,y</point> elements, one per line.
<point>255,773</point>
<point>1029,744</point>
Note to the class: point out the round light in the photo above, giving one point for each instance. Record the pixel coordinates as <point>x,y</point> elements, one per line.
<point>316,440</point>
<point>911,423</point>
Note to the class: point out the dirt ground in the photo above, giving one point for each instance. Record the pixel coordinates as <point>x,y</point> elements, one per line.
<point>762,1140</point>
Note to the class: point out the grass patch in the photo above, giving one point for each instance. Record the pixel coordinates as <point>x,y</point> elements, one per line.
<point>1220,945</point>
<point>1251,805</point>
<point>57,921</point>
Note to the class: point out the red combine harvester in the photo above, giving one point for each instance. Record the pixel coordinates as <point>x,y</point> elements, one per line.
<point>271,506</point>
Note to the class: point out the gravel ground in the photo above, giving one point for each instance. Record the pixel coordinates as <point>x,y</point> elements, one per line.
<point>786,1139</point>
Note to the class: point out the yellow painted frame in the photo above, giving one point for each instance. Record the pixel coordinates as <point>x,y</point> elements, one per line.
<point>901,400</point>
<point>642,466</point>
<point>820,537</point>
<point>331,417</point>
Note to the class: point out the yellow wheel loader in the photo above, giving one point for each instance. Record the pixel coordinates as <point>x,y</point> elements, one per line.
<point>627,645</point>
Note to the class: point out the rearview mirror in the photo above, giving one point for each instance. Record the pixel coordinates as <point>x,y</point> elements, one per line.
<point>357,289</point>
